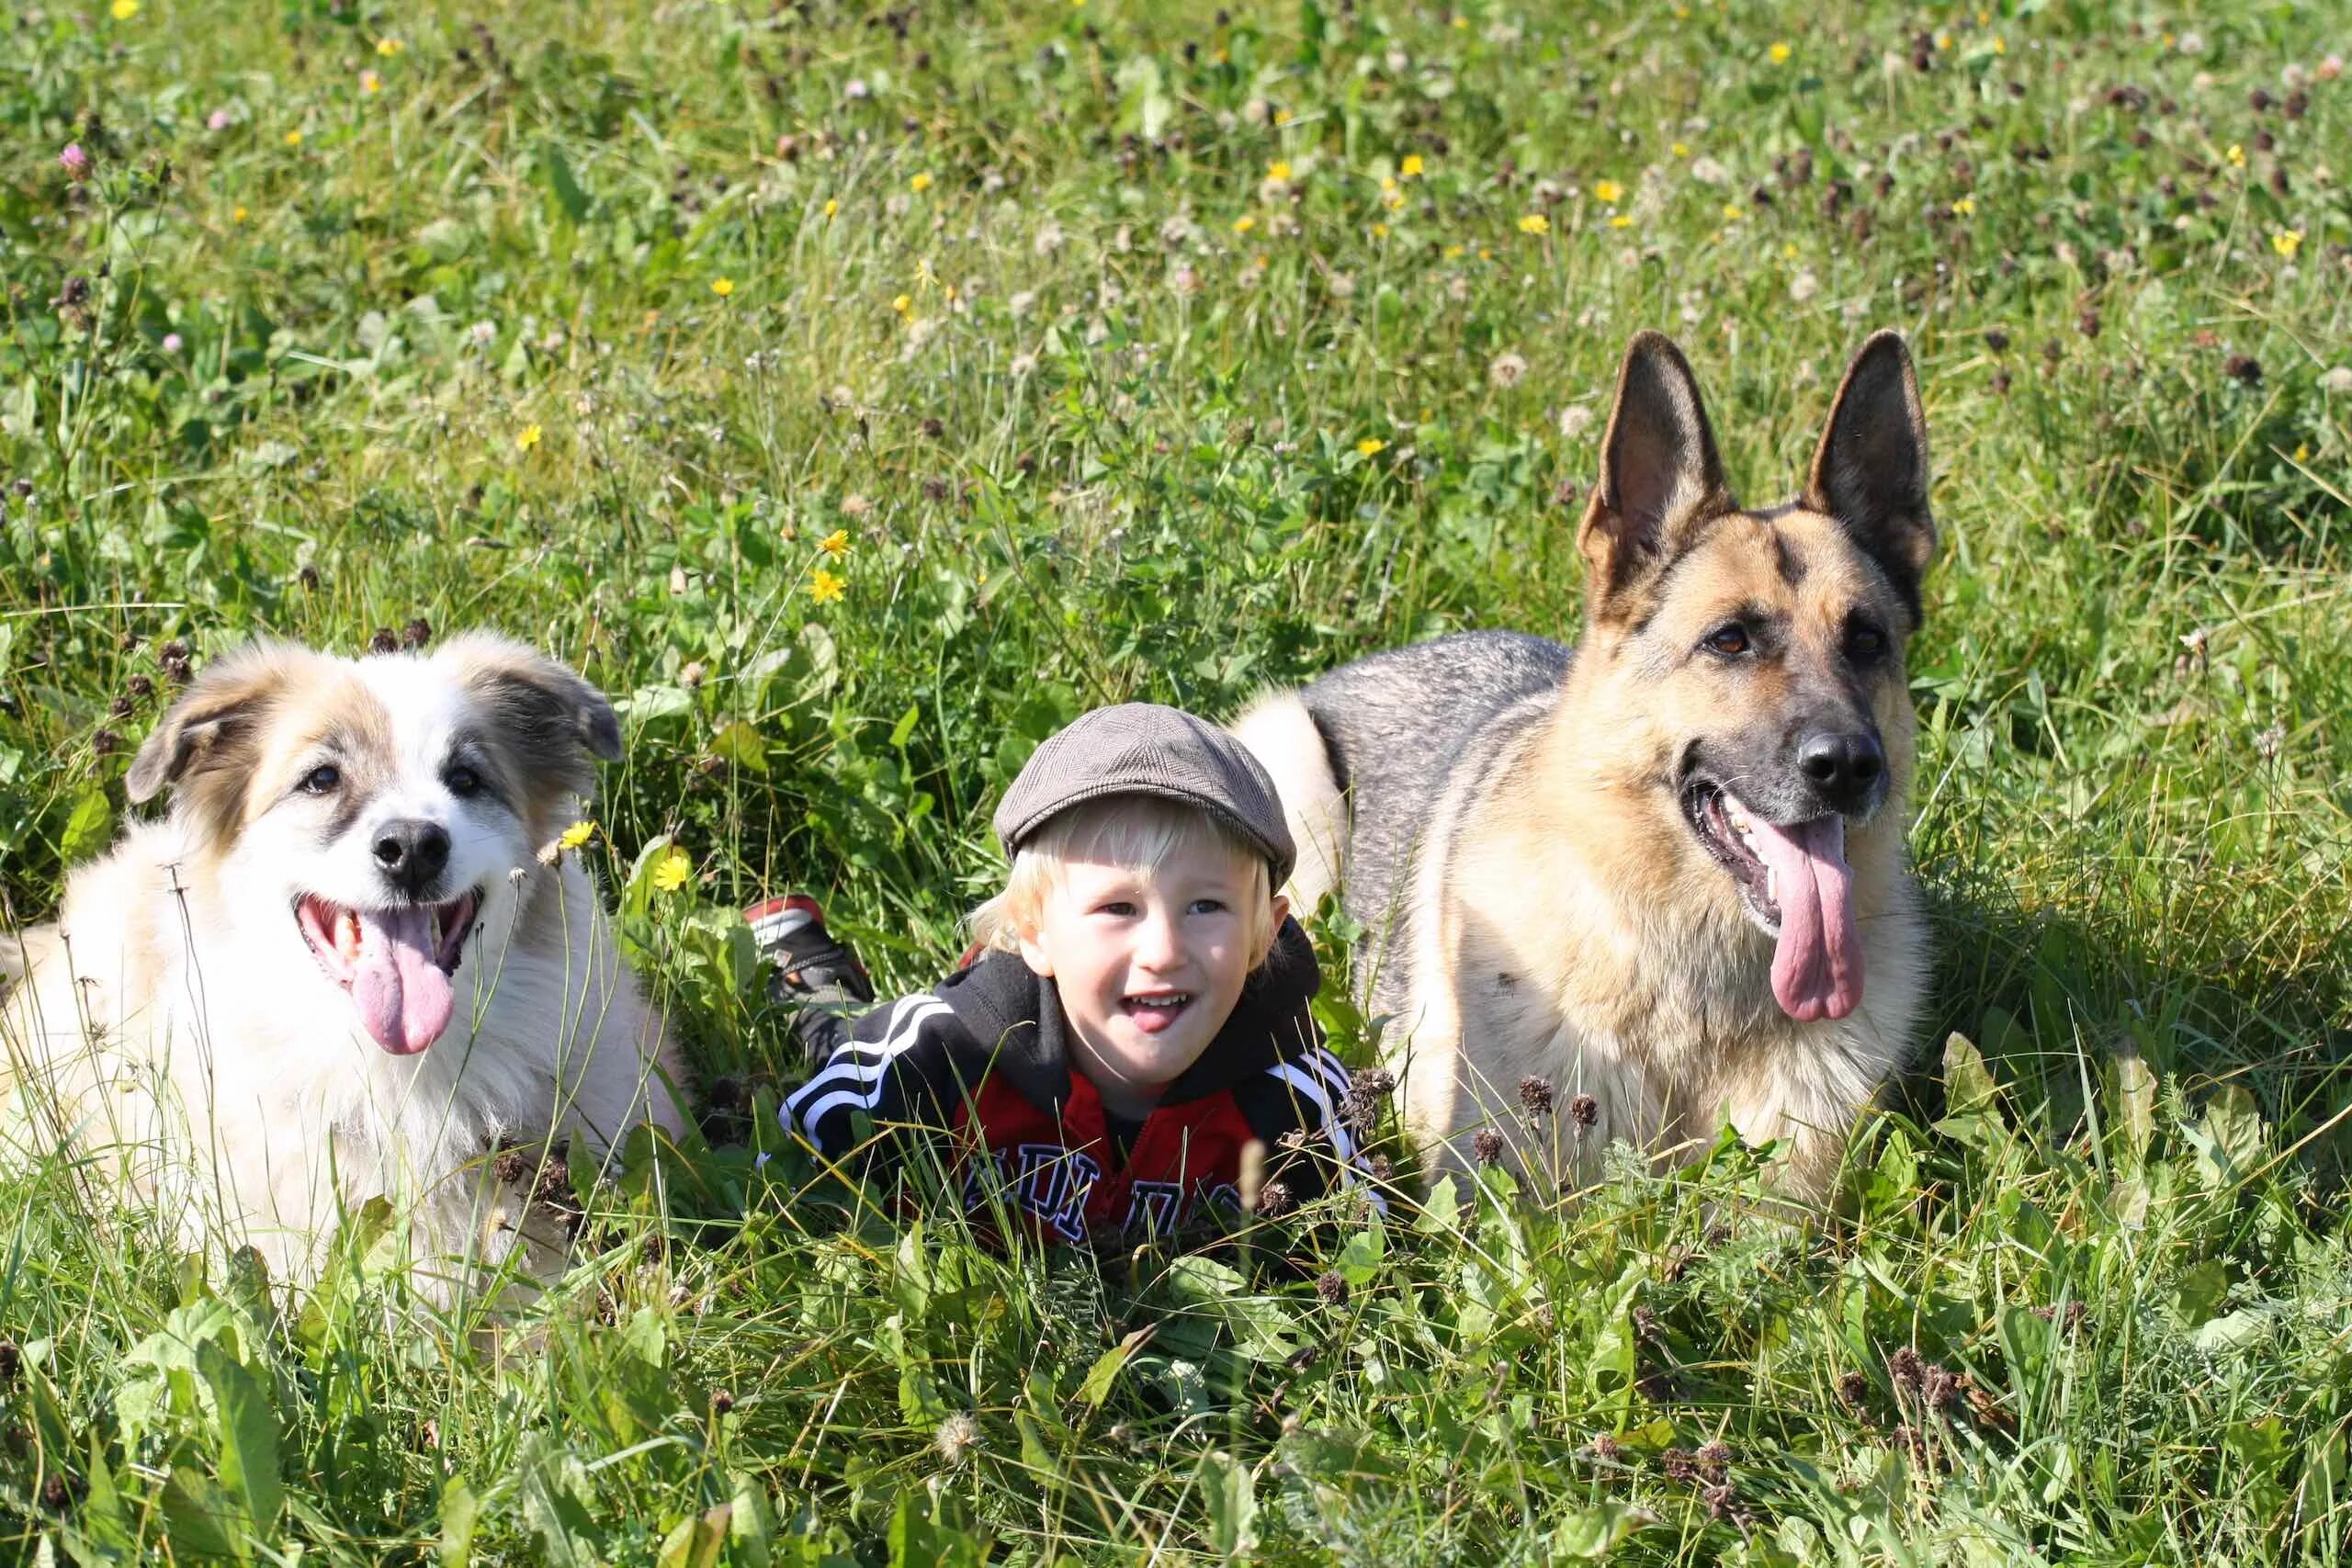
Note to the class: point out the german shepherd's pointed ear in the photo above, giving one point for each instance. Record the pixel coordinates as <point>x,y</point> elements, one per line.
<point>1661,479</point>
<point>1871,473</point>
<point>212,728</point>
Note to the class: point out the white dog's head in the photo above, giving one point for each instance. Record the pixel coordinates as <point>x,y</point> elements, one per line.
<point>371,809</point>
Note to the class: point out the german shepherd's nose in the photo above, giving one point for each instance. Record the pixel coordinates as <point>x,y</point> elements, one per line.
<point>1844,770</point>
<point>412,854</point>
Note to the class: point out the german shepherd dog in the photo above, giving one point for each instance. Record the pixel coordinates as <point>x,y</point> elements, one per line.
<point>1666,869</point>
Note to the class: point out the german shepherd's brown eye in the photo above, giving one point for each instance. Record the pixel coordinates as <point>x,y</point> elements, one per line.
<point>1730,640</point>
<point>462,781</point>
<point>1864,642</point>
<point>321,779</point>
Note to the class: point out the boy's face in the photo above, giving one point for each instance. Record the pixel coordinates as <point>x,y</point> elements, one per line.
<point>1148,964</point>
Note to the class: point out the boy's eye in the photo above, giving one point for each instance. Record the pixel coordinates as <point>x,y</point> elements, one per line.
<point>1208,905</point>
<point>1118,907</point>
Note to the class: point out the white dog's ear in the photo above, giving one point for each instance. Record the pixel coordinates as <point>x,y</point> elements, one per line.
<point>1661,479</point>
<point>214,727</point>
<point>551,719</point>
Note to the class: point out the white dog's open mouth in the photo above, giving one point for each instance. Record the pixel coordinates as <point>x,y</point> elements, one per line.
<point>395,963</point>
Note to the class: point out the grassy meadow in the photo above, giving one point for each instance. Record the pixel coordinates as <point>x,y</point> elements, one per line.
<point>857,394</point>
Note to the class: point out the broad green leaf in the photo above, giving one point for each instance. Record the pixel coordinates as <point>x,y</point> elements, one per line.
<point>249,1456</point>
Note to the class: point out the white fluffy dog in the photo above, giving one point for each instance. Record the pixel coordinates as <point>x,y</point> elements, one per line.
<point>343,965</point>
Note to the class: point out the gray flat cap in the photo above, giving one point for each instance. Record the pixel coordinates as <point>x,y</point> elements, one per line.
<point>1147,749</point>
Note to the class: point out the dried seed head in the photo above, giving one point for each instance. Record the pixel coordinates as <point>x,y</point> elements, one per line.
<point>11,1360</point>
<point>1274,1199</point>
<point>1488,1144</point>
<point>1535,1094</point>
<point>417,633</point>
<point>1605,1447</point>
<point>957,1437</point>
<point>1331,1287</point>
<point>721,1400</point>
<point>1853,1389</point>
<point>1584,1111</point>
<point>1906,1367</point>
<point>1714,1458</point>
<point>386,640</point>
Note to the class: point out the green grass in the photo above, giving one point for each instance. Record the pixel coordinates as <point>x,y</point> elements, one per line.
<point>458,354</point>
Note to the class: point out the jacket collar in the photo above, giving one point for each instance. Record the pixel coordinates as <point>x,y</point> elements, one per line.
<point>1018,1020</point>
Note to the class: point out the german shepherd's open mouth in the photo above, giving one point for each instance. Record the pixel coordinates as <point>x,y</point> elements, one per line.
<point>395,963</point>
<point>1796,887</point>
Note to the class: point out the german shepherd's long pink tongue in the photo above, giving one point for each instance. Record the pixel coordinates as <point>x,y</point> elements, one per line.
<point>402,995</point>
<point>1817,966</point>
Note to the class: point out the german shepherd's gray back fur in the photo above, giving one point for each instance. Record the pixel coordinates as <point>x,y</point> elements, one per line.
<point>1402,727</point>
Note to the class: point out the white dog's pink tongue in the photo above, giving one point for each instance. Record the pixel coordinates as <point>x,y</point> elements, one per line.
<point>401,994</point>
<point>1817,966</point>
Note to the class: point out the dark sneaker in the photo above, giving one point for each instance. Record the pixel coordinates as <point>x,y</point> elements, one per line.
<point>812,965</point>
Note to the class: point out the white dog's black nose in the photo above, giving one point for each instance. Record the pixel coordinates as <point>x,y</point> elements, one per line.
<point>412,854</point>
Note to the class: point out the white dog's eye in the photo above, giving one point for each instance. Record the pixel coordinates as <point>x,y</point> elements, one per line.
<point>322,779</point>
<point>462,781</point>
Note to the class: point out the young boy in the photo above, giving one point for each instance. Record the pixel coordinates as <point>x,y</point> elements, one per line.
<point>1137,1015</point>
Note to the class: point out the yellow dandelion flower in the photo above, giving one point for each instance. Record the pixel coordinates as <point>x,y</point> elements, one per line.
<point>1392,200</point>
<point>1680,148</point>
<point>577,834</point>
<point>920,184</point>
<point>237,216</point>
<point>1790,250</point>
<point>1371,446</point>
<point>1965,206</point>
<point>1683,13</point>
<point>722,287</point>
<point>2302,451</point>
<point>2000,44</point>
<point>1411,167</point>
<point>835,544</point>
<point>1456,253</point>
<point>2236,155</point>
<point>1622,220</point>
<point>1943,40</point>
<point>825,587</point>
<point>389,47</point>
<point>1243,224</point>
<point>1278,170</point>
<point>1534,223</point>
<point>672,870</point>
<point>1608,192</point>
<point>2287,242</point>
<point>371,83</point>
<point>293,139</point>
<point>903,304</point>
<point>125,9</point>
<point>527,439</point>
<point>1281,116</point>
<point>1380,231</point>
<point>1733,212</point>
<point>1460,22</point>
<point>1779,54</point>
<point>1485,254</point>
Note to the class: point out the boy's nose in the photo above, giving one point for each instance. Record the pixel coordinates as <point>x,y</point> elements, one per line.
<point>1157,944</point>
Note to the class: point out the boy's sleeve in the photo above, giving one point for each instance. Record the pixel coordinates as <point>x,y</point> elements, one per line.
<point>1304,1109</point>
<point>895,1066</point>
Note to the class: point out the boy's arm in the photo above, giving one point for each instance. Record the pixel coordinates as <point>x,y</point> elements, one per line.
<point>1304,1110</point>
<point>895,1067</point>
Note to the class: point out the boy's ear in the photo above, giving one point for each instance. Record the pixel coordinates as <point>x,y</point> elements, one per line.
<point>1274,926</point>
<point>1033,952</point>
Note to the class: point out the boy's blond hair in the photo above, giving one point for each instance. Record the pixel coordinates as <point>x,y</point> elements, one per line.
<point>1136,832</point>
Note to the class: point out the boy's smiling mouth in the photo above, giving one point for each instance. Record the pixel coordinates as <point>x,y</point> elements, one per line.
<point>1155,1010</point>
